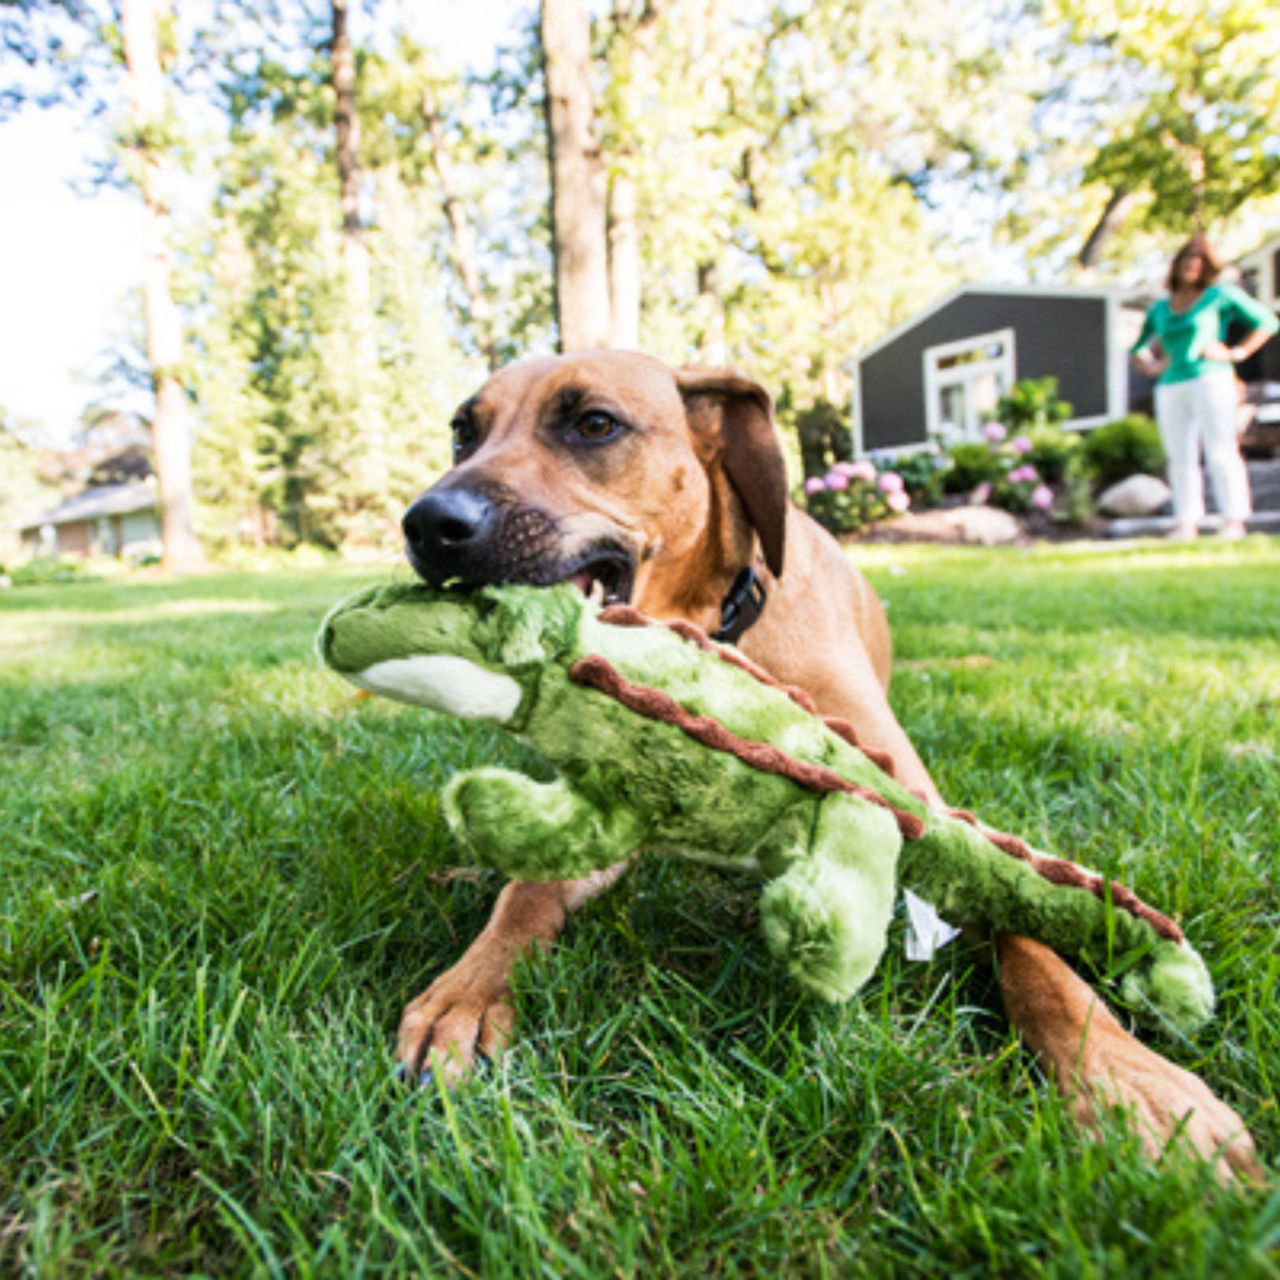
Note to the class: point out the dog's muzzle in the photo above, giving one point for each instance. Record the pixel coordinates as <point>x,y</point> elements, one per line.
<point>483,535</point>
<point>475,535</point>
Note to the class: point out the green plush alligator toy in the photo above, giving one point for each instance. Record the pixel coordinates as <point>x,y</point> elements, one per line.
<point>668,742</point>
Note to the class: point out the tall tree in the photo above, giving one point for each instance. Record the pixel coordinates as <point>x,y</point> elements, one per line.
<point>465,252</point>
<point>1193,131</point>
<point>578,178</point>
<point>147,28</point>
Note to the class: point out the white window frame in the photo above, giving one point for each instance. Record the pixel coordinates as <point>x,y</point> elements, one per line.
<point>936,378</point>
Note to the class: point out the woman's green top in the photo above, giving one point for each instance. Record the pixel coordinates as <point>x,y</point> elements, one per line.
<point>1184,334</point>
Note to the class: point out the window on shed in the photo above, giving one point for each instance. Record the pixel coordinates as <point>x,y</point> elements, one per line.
<point>964,381</point>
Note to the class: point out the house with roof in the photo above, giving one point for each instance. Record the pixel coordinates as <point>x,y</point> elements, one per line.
<point>114,520</point>
<point>937,377</point>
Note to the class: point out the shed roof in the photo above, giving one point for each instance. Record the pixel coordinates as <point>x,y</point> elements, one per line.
<point>109,500</point>
<point>1013,290</point>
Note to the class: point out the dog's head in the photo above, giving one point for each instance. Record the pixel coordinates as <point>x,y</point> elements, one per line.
<point>607,469</point>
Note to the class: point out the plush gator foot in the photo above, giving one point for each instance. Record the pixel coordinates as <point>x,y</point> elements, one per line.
<point>826,918</point>
<point>535,830</point>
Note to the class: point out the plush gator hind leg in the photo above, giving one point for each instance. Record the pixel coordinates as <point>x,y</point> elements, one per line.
<point>536,830</point>
<point>826,917</point>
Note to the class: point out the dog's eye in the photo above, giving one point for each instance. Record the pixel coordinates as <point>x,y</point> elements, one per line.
<point>597,426</point>
<point>464,435</point>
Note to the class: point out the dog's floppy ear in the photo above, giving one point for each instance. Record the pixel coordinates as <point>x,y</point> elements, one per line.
<point>749,449</point>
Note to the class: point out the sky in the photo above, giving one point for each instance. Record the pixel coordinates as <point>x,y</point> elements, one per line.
<point>68,262</point>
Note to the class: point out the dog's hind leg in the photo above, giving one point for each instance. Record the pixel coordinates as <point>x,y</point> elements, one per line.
<point>1096,1064</point>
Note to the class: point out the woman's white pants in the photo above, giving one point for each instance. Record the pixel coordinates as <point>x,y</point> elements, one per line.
<point>1202,411</point>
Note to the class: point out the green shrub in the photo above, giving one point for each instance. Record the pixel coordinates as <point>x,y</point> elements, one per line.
<point>1126,447</point>
<point>1052,450</point>
<point>48,571</point>
<point>1032,402</point>
<point>825,436</point>
<point>922,473</point>
<point>971,465</point>
<point>853,495</point>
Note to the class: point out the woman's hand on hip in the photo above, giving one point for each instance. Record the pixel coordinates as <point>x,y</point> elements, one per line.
<point>1218,351</point>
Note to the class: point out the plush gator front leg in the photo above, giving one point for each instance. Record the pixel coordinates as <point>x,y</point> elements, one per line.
<point>536,830</point>
<point>826,917</point>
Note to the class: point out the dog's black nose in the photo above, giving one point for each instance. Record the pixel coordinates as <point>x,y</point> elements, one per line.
<point>445,523</point>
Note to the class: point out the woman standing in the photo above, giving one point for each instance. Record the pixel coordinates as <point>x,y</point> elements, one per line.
<point>1182,342</point>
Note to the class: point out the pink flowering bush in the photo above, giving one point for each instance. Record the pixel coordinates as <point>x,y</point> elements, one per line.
<point>853,495</point>
<point>1001,472</point>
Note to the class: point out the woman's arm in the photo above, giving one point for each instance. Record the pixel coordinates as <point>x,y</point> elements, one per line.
<point>1260,321</point>
<point>1147,353</point>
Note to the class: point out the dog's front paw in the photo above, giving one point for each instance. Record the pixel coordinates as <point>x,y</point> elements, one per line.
<point>1168,1107</point>
<point>465,1015</point>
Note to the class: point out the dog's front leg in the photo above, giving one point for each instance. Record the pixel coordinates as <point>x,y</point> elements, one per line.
<point>467,1011</point>
<point>1096,1064</point>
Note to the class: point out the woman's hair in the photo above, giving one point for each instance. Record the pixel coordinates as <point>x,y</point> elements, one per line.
<point>1213,264</point>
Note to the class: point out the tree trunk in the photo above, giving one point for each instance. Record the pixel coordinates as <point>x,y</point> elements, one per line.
<point>368,467</point>
<point>170,431</point>
<point>347,123</point>
<point>632,46</point>
<point>577,178</point>
<point>1117,209</point>
<point>346,120</point>
<point>464,241</point>
<point>624,264</point>
<point>713,347</point>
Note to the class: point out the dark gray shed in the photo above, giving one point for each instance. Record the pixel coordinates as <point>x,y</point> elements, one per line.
<point>939,375</point>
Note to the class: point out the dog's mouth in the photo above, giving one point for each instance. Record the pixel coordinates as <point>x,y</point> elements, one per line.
<point>604,575</point>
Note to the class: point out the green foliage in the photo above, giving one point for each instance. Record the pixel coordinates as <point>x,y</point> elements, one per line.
<point>1128,446</point>
<point>1198,135</point>
<point>825,434</point>
<point>923,473</point>
<point>302,444</point>
<point>23,490</point>
<point>847,508</point>
<point>971,464</point>
<point>1031,402</point>
<point>48,571</point>
<point>221,879</point>
<point>1000,472</point>
<point>1052,451</point>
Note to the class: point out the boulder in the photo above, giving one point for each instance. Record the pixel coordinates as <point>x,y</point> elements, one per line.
<point>1135,497</point>
<point>972,525</point>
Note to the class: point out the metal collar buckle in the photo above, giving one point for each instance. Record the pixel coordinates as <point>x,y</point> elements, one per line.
<point>741,607</point>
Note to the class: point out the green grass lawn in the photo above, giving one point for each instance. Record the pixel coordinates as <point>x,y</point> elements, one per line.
<point>220,879</point>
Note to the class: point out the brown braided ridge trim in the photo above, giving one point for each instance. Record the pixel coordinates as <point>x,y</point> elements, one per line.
<point>623,615</point>
<point>598,673</point>
<point>656,705</point>
<point>1059,871</point>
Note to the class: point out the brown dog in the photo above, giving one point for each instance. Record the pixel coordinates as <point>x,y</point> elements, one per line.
<point>660,487</point>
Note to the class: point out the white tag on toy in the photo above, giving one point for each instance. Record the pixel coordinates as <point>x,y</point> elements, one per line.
<point>927,931</point>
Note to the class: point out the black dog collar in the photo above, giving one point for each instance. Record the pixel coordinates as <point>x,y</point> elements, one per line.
<point>743,605</point>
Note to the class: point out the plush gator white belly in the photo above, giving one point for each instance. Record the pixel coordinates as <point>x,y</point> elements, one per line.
<point>444,683</point>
